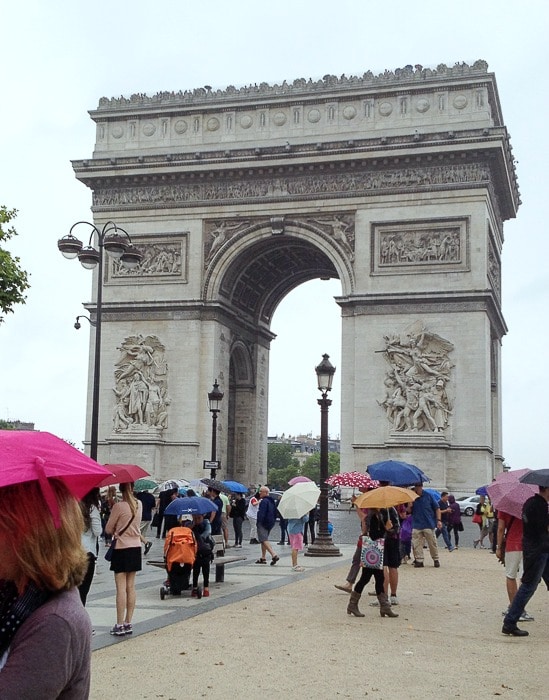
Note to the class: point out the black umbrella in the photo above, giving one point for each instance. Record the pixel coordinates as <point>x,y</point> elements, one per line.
<point>539,477</point>
<point>216,485</point>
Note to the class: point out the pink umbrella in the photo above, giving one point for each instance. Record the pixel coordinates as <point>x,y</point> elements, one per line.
<point>123,474</point>
<point>508,494</point>
<point>356,480</point>
<point>298,480</point>
<point>29,455</point>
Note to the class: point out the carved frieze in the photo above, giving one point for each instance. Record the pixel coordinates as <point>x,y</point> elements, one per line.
<point>321,185</point>
<point>141,386</point>
<point>407,246</point>
<point>417,381</point>
<point>162,259</point>
<point>494,267</point>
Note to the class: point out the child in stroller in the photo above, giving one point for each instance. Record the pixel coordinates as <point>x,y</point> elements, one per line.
<point>180,549</point>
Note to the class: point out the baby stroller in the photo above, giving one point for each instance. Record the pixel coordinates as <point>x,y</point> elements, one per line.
<point>179,555</point>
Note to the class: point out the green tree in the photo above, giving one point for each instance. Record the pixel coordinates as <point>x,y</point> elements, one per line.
<point>311,466</point>
<point>13,279</point>
<point>279,455</point>
<point>6,425</point>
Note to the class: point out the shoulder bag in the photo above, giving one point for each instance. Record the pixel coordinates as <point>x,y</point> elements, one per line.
<point>110,550</point>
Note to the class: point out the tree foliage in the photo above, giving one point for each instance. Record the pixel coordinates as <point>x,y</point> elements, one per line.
<point>13,279</point>
<point>279,456</point>
<point>283,466</point>
<point>311,466</point>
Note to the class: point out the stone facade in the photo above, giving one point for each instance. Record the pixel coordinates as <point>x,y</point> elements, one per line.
<point>397,184</point>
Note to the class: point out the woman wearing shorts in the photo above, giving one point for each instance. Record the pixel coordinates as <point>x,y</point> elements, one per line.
<point>124,524</point>
<point>295,535</point>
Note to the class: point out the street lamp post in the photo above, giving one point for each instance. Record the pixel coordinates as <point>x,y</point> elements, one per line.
<point>323,545</point>
<point>119,247</point>
<point>214,399</point>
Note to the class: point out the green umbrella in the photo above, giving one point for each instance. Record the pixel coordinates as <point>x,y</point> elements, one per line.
<point>144,485</point>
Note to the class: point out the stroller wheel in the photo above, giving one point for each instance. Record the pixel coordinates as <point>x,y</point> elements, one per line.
<point>162,593</point>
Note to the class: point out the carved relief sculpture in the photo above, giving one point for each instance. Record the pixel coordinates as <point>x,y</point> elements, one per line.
<point>416,399</point>
<point>159,259</point>
<point>141,386</point>
<point>342,230</point>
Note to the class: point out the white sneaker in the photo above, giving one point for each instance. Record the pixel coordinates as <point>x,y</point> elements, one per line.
<point>526,617</point>
<point>394,600</point>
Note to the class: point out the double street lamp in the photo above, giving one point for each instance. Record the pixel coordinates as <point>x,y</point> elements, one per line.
<point>323,545</point>
<point>214,400</point>
<point>118,244</point>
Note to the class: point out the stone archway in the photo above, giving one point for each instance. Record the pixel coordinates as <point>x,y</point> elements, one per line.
<point>397,184</point>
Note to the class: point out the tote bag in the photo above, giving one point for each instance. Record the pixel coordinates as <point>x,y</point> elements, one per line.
<point>371,554</point>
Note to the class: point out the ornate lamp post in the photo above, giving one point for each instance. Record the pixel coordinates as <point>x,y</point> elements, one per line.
<point>214,399</point>
<point>323,545</point>
<point>120,247</point>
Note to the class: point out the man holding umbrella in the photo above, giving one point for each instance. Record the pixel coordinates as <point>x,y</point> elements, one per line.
<point>425,518</point>
<point>535,549</point>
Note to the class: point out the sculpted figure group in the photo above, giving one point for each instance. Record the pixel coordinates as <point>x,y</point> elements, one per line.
<point>141,385</point>
<point>415,386</point>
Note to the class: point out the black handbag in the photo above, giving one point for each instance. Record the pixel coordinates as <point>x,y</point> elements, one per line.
<point>112,547</point>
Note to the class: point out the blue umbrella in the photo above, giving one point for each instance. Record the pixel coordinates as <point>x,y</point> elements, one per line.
<point>435,494</point>
<point>235,486</point>
<point>482,491</point>
<point>396,473</point>
<point>190,505</point>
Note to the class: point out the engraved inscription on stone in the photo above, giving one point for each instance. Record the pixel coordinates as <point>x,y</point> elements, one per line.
<point>417,381</point>
<point>160,259</point>
<point>141,386</point>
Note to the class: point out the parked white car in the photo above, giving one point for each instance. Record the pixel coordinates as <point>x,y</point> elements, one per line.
<point>468,504</point>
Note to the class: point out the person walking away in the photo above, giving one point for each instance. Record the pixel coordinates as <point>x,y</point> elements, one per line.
<point>425,518</point>
<point>266,518</point>
<point>238,513</point>
<point>375,528</point>
<point>454,521</point>
<point>510,532</point>
<point>251,514</point>
<point>225,515</point>
<point>485,512</point>
<point>148,503</point>
<point>204,555</point>
<point>45,632</point>
<point>355,562</point>
<point>445,510</point>
<point>216,515</point>
<point>90,506</point>
<point>535,558</point>
<point>123,524</point>
<point>295,533</point>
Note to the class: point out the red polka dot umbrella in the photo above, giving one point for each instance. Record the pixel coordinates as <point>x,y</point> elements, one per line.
<point>356,480</point>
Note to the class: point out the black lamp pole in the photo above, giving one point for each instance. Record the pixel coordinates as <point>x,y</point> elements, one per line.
<point>214,399</point>
<point>323,545</point>
<point>119,247</point>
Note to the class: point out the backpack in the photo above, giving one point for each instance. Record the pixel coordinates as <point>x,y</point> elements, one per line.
<point>205,544</point>
<point>180,546</point>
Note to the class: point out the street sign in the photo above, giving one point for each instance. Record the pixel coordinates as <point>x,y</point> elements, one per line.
<point>211,464</point>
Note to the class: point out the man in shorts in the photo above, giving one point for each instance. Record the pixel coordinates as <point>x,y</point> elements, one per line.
<point>510,530</point>
<point>266,518</point>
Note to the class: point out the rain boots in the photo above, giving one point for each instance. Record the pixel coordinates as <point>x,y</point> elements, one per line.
<point>352,607</point>
<point>385,606</point>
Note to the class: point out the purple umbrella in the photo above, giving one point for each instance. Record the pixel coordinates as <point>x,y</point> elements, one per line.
<point>508,494</point>
<point>298,480</point>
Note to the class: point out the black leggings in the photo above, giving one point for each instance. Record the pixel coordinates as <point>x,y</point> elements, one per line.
<point>201,564</point>
<point>366,575</point>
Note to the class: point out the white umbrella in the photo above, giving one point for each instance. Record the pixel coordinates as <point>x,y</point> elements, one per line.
<point>298,500</point>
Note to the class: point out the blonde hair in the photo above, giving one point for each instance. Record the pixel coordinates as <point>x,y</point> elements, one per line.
<point>52,558</point>
<point>127,496</point>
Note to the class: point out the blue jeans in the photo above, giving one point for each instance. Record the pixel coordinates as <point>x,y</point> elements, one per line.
<point>445,536</point>
<point>534,571</point>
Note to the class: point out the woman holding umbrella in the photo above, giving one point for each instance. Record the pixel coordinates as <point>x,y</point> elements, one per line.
<point>123,524</point>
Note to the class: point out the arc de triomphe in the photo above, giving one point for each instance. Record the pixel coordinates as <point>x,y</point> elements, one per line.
<point>397,184</point>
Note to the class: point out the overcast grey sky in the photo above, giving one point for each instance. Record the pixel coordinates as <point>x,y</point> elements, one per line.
<point>58,59</point>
